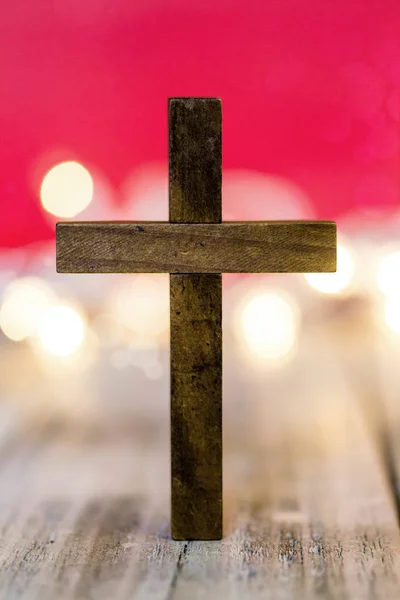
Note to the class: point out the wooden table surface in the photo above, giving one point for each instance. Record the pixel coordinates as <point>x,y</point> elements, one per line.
<point>310,477</point>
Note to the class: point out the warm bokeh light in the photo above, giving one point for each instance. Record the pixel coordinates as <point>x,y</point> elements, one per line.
<point>140,304</point>
<point>388,276</point>
<point>145,193</point>
<point>25,301</point>
<point>268,325</point>
<point>154,372</point>
<point>334,283</point>
<point>272,197</point>
<point>392,313</point>
<point>67,189</point>
<point>142,353</point>
<point>61,330</point>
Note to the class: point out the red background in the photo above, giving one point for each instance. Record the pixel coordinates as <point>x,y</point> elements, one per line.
<point>310,92</point>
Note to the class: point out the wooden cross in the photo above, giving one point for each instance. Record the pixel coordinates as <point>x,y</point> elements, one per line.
<point>195,247</point>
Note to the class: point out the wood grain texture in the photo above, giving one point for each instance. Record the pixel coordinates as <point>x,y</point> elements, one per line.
<point>196,324</point>
<point>196,406</point>
<point>195,160</point>
<point>84,511</point>
<point>230,247</point>
<point>195,248</point>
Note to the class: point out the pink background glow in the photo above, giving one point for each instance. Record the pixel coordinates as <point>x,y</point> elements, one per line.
<point>310,93</point>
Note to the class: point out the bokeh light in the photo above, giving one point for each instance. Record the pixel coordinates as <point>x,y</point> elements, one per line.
<point>61,330</point>
<point>145,193</point>
<point>272,197</point>
<point>392,314</point>
<point>67,189</point>
<point>334,283</point>
<point>154,372</point>
<point>140,304</point>
<point>25,301</point>
<point>142,353</point>
<point>388,276</point>
<point>266,325</point>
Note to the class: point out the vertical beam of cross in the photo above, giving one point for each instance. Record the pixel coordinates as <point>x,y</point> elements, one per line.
<point>196,328</point>
<point>195,247</point>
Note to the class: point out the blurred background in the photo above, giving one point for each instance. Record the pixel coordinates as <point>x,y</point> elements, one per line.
<point>311,109</point>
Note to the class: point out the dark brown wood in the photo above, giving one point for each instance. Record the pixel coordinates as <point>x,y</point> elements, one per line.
<point>196,406</point>
<point>195,160</point>
<point>230,247</point>
<point>196,327</point>
<point>194,247</point>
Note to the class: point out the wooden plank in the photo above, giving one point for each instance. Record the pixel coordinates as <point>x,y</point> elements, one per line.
<point>195,160</point>
<point>196,325</point>
<point>313,514</point>
<point>374,373</point>
<point>196,406</point>
<point>230,247</point>
<point>308,514</point>
<point>369,354</point>
<point>386,394</point>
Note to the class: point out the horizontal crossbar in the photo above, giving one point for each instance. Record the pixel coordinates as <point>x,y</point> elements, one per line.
<point>229,247</point>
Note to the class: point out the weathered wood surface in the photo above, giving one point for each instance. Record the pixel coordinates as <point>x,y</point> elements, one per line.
<point>229,247</point>
<point>196,406</point>
<point>386,398</point>
<point>195,160</point>
<point>196,325</point>
<point>369,354</point>
<point>196,242</point>
<point>374,373</point>
<point>84,510</point>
